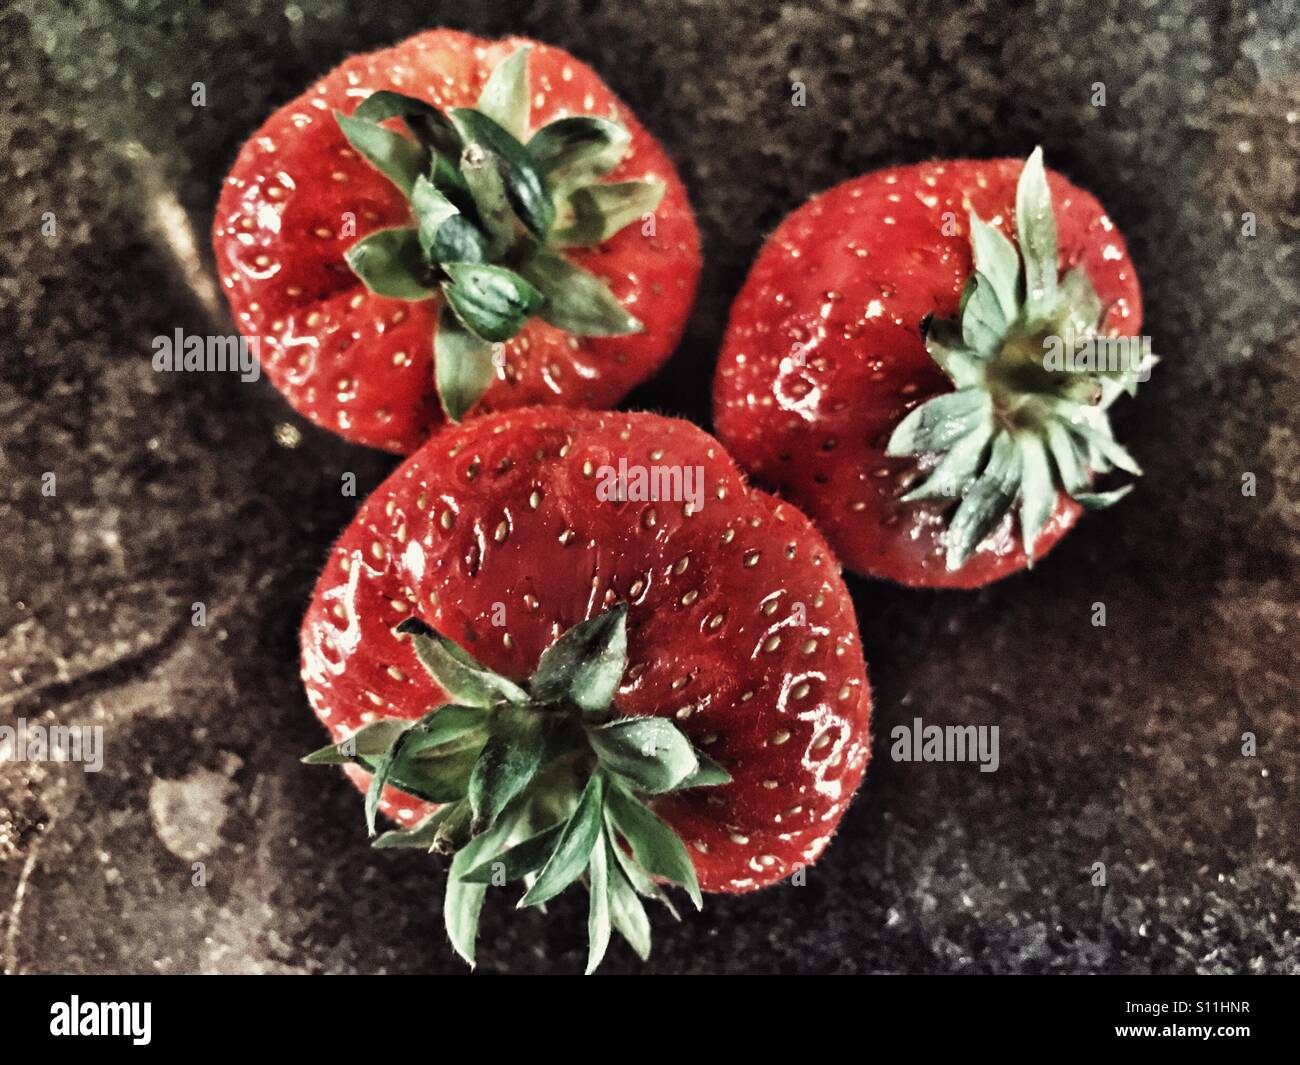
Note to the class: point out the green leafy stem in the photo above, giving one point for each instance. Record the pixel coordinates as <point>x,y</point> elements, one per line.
<point>1014,433</point>
<point>541,783</point>
<point>494,211</point>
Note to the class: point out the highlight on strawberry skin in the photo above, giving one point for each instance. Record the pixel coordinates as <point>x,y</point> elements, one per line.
<point>924,360</point>
<point>453,226</point>
<point>577,648</point>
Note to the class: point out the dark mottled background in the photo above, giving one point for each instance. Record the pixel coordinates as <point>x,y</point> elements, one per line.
<point>1119,745</point>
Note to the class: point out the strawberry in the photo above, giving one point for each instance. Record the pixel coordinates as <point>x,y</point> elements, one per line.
<point>558,674</point>
<point>454,224</point>
<point>916,373</point>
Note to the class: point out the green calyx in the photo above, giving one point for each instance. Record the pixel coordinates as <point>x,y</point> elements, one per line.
<point>494,209</point>
<point>1034,381</point>
<point>542,783</point>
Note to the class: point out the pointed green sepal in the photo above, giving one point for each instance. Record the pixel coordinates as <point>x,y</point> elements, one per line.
<point>626,911</point>
<point>940,422</point>
<point>421,836</point>
<point>372,739</point>
<point>983,322</point>
<point>463,901</point>
<point>656,847</point>
<point>492,301</point>
<point>391,264</point>
<point>586,663</point>
<point>986,502</point>
<point>504,98</point>
<point>1037,490</point>
<point>1102,500</point>
<point>573,849</point>
<point>507,765</point>
<point>943,341</point>
<point>463,365</point>
<point>527,856</point>
<point>649,752</point>
<point>428,125</point>
<point>456,671</point>
<point>595,213</point>
<point>575,299</point>
<point>642,882</point>
<point>599,924</point>
<point>578,150</point>
<point>398,158</point>
<point>524,185</point>
<point>997,260</point>
<point>1036,235</point>
<point>708,774</point>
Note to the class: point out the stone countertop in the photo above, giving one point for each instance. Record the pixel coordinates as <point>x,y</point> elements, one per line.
<point>1120,745</point>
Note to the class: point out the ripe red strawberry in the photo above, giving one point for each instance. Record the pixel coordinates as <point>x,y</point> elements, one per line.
<point>455,223</point>
<point>699,655</point>
<point>845,374</point>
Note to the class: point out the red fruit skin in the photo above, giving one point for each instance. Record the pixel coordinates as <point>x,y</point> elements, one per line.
<point>362,365</point>
<point>789,723</point>
<point>849,276</point>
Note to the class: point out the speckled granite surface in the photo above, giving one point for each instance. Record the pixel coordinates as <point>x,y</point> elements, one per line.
<point>1120,745</point>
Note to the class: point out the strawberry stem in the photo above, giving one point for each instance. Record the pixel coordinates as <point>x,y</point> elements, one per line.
<point>493,211</point>
<point>543,783</point>
<point>1020,429</point>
